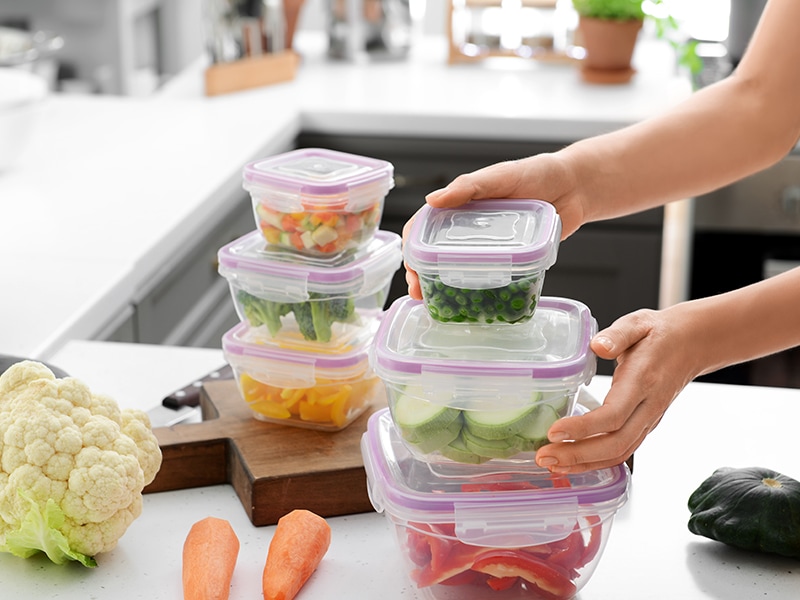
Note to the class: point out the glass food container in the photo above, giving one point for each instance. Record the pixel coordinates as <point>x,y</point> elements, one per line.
<point>490,531</point>
<point>483,262</point>
<point>318,202</point>
<point>325,391</point>
<point>306,302</point>
<point>479,394</point>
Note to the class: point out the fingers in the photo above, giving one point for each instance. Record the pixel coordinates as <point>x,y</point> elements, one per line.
<point>500,180</point>
<point>413,284</point>
<point>598,450</point>
<point>621,335</point>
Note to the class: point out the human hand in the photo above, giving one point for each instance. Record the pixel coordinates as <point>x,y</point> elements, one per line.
<point>542,177</point>
<point>649,375</point>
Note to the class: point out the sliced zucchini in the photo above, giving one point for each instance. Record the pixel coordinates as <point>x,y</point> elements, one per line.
<point>427,425</point>
<point>499,424</point>
<point>490,448</point>
<point>536,429</point>
<point>457,451</point>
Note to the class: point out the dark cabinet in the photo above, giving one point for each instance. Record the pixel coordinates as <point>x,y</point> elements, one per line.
<point>613,266</point>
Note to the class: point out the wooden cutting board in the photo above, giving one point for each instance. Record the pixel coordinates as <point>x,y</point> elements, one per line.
<point>273,468</point>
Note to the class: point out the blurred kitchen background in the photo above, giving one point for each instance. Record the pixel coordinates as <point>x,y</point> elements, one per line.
<point>132,47</point>
<point>135,47</point>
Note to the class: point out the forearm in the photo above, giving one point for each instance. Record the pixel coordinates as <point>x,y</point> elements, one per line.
<point>720,134</point>
<point>741,325</point>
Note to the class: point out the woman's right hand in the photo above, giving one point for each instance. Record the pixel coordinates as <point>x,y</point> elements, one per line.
<point>542,177</point>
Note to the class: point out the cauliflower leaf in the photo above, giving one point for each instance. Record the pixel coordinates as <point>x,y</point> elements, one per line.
<point>39,532</point>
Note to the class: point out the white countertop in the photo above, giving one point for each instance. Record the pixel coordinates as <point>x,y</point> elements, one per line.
<point>650,553</point>
<point>110,187</point>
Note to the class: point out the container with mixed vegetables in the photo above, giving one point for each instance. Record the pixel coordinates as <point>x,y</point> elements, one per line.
<point>318,202</point>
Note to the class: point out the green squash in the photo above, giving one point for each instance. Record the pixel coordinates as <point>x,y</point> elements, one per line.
<point>754,509</point>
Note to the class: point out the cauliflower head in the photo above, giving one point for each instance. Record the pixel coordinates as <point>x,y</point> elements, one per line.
<point>72,466</point>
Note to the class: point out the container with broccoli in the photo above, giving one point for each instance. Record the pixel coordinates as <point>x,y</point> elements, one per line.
<point>472,394</point>
<point>483,262</point>
<point>301,301</point>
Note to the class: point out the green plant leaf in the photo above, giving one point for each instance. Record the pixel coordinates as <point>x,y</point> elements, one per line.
<point>40,531</point>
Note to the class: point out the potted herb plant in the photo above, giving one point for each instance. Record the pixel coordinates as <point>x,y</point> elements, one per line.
<point>608,31</point>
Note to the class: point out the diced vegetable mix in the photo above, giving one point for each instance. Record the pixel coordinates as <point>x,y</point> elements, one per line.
<point>330,402</point>
<point>314,318</point>
<point>318,231</point>
<point>549,570</point>
<point>513,303</point>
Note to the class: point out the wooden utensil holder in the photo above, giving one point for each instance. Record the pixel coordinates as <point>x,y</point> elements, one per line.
<point>252,72</point>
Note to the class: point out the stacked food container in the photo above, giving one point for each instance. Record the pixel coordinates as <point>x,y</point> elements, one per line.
<point>309,286</point>
<point>475,375</point>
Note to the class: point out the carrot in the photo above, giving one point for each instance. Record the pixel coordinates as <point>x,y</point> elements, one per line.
<point>209,556</point>
<point>300,541</point>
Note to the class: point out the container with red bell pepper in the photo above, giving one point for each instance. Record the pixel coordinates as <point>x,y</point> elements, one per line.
<point>318,202</point>
<point>494,530</point>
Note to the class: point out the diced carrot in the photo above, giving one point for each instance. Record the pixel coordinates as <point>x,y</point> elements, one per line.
<point>297,240</point>
<point>329,247</point>
<point>353,224</point>
<point>288,224</point>
<point>209,557</point>
<point>300,542</point>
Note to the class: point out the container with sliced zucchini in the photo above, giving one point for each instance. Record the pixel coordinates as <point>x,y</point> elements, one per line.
<point>473,395</point>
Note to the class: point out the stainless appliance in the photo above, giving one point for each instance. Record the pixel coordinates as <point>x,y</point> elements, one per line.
<point>746,232</point>
<point>366,29</point>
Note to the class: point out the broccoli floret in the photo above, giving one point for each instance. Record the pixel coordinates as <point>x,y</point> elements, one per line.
<point>322,319</point>
<point>342,309</point>
<point>305,320</point>
<point>263,312</point>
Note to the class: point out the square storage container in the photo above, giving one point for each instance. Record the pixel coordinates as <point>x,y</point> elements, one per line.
<point>483,262</point>
<point>310,303</point>
<point>325,391</point>
<point>473,394</point>
<point>490,531</point>
<point>318,202</point>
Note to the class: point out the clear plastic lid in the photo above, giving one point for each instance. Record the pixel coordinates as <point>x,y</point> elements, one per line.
<point>485,243</point>
<point>289,277</point>
<point>548,353</point>
<point>284,367</point>
<point>326,176</point>
<point>502,505</point>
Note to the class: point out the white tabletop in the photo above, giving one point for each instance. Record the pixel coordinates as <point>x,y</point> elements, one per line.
<point>650,553</point>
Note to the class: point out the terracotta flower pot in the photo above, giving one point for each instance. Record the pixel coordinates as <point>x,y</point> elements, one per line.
<point>609,49</point>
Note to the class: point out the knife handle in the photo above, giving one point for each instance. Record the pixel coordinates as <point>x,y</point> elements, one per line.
<point>190,394</point>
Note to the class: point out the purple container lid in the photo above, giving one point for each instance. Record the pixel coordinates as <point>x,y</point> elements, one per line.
<point>371,266</point>
<point>235,343</point>
<point>413,490</point>
<point>553,347</point>
<point>521,235</point>
<point>316,172</point>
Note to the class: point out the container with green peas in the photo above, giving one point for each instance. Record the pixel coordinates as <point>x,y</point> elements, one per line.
<point>483,262</point>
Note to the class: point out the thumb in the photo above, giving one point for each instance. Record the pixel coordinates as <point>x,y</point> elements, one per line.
<point>626,331</point>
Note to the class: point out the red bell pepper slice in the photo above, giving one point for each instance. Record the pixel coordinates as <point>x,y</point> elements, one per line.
<point>595,537</point>
<point>568,552</point>
<point>551,579</point>
<point>460,559</point>
<point>498,584</point>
